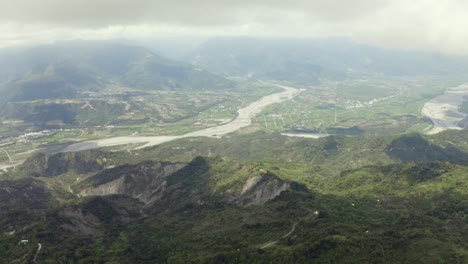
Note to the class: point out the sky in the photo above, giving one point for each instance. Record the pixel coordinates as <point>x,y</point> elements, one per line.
<point>427,25</point>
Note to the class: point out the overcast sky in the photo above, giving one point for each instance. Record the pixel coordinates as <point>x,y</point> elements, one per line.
<point>439,25</point>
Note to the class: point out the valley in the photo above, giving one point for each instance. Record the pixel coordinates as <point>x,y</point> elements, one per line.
<point>18,141</point>
<point>245,151</point>
<point>310,113</point>
<point>384,115</point>
<point>242,119</point>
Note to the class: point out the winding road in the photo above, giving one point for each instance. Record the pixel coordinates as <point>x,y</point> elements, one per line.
<point>39,247</point>
<point>293,228</point>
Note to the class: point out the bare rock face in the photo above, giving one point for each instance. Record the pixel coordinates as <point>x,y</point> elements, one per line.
<point>250,183</point>
<point>162,185</point>
<point>116,186</point>
<point>261,189</point>
<point>143,181</point>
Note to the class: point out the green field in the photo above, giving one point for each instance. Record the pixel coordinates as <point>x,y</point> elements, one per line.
<point>376,105</point>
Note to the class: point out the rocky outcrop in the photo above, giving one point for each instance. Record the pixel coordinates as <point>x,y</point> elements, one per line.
<point>261,189</point>
<point>165,184</point>
<point>143,181</point>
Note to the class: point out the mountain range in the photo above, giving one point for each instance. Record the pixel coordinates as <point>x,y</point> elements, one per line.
<point>69,69</point>
<point>307,61</point>
<point>66,70</point>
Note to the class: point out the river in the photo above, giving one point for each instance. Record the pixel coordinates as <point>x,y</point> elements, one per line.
<point>444,109</point>
<point>306,135</point>
<point>243,119</point>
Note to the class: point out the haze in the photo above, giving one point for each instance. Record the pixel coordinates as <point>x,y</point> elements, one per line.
<point>427,25</point>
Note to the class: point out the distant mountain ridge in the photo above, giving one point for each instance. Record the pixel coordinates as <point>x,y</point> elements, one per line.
<point>65,70</point>
<point>307,61</point>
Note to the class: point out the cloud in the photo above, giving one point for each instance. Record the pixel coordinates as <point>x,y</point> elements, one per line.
<point>418,24</point>
<point>101,13</point>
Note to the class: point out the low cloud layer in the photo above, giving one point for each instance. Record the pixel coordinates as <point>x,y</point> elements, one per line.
<point>437,25</point>
<point>101,13</point>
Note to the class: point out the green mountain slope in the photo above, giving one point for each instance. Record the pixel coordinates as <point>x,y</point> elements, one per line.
<point>323,207</point>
